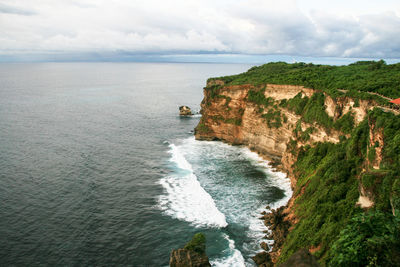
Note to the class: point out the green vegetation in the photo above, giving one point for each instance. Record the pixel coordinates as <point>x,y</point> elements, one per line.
<point>227,99</point>
<point>258,97</point>
<point>273,118</point>
<point>358,78</point>
<point>197,244</point>
<point>345,123</point>
<point>303,135</point>
<point>311,109</point>
<point>214,90</point>
<point>234,121</point>
<point>369,239</point>
<point>202,128</point>
<point>327,191</point>
<point>329,176</point>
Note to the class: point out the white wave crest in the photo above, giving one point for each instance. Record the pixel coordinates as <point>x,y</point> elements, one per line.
<point>185,199</point>
<point>235,258</point>
<point>276,178</point>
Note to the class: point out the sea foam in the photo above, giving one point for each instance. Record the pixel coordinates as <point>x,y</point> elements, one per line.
<point>185,198</point>
<point>235,258</point>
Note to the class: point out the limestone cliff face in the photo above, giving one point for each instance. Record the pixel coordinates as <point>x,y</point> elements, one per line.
<point>275,131</point>
<point>343,105</point>
<point>230,117</point>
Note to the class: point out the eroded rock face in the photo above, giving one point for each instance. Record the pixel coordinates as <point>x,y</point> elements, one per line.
<point>186,258</point>
<point>185,111</point>
<point>227,115</point>
<point>279,224</point>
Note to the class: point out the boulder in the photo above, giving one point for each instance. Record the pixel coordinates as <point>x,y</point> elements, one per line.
<point>264,246</point>
<point>185,111</point>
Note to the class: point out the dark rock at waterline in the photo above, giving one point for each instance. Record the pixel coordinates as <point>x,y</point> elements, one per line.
<point>302,258</point>
<point>185,111</point>
<point>278,225</point>
<point>192,255</point>
<point>264,246</point>
<point>263,259</point>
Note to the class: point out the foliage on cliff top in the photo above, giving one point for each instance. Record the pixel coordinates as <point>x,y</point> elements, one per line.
<point>369,239</point>
<point>361,76</point>
<point>328,179</point>
<point>197,244</point>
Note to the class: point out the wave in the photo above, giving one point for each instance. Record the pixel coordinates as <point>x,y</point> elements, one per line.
<point>235,258</point>
<point>185,198</point>
<point>276,178</point>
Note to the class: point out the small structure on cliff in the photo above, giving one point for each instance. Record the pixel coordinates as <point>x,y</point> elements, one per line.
<point>192,255</point>
<point>396,101</point>
<point>185,111</point>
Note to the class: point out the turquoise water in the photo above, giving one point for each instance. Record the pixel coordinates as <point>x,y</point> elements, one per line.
<point>96,168</point>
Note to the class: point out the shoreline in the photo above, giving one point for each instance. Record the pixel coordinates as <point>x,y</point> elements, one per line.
<point>277,220</point>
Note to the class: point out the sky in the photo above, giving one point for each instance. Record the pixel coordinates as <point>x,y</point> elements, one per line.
<point>198,30</point>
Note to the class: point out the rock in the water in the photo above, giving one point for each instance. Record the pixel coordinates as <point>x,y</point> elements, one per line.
<point>192,255</point>
<point>264,246</point>
<point>302,258</point>
<point>185,111</point>
<point>186,258</point>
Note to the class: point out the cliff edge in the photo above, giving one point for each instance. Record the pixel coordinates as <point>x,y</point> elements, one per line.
<point>338,149</point>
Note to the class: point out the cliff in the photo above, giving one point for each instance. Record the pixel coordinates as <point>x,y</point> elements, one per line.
<point>269,128</point>
<point>331,146</point>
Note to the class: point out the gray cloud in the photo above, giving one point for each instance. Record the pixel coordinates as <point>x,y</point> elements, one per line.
<point>8,9</point>
<point>191,26</point>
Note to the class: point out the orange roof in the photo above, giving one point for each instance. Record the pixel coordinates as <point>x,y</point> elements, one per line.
<point>396,101</point>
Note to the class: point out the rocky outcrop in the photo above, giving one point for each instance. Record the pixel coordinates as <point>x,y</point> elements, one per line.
<point>278,223</point>
<point>186,258</point>
<point>192,255</point>
<point>185,111</point>
<point>375,147</point>
<point>343,105</point>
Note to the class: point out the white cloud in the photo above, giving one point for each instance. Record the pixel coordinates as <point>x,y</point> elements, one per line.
<point>303,27</point>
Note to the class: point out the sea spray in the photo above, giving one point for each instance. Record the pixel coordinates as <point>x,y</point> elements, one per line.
<point>206,175</point>
<point>241,183</point>
<point>186,199</point>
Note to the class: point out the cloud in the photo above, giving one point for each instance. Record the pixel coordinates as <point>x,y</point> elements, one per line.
<point>8,9</point>
<point>193,27</point>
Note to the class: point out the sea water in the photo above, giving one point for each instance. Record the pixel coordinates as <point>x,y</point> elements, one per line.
<point>98,169</point>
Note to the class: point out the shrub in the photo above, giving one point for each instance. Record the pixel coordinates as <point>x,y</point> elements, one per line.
<point>197,244</point>
<point>369,239</point>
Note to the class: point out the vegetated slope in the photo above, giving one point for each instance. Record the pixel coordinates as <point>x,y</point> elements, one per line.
<point>363,76</point>
<point>329,178</point>
<point>335,154</point>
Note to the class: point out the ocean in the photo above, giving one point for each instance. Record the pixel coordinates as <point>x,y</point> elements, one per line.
<point>98,169</point>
